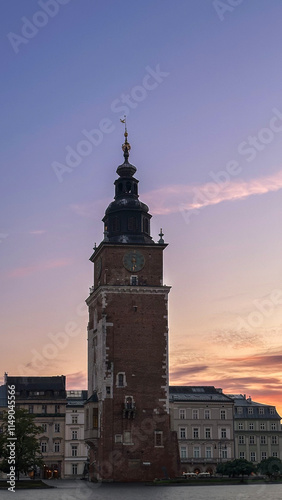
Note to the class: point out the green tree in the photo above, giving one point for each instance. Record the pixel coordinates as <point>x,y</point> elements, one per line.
<point>235,468</point>
<point>26,454</point>
<point>271,467</point>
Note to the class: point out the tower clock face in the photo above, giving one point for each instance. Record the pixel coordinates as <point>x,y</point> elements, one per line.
<point>134,261</point>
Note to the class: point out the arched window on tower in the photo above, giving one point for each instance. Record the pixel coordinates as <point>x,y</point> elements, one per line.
<point>132,224</point>
<point>128,187</point>
<point>116,224</point>
<point>146,225</point>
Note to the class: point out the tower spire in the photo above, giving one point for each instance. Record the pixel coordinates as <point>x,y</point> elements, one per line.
<point>126,146</point>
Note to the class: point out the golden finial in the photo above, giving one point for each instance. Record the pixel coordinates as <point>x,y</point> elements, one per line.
<point>126,146</point>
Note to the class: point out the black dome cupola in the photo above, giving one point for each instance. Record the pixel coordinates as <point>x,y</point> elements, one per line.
<point>127,219</point>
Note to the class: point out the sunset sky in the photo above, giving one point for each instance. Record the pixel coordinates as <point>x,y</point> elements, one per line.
<point>201,84</point>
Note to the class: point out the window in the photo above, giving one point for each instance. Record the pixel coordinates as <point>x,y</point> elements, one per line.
<point>44,427</point>
<point>223,433</point>
<point>74,419</point>
<point>44,408</point>
<point>275,454</point>
<point>273,427</point>
<point>261,410</point>
<point>207,414</point>
<point>116,224</point>
<point>274,440</point>
<point>57,427</point>
<point>43,447</point>
<point>253,456</point>
<point>240,426</point>
<point>195,432</point>
<point>132,224</point>
<point>262,426</point>
<point>95,418</point>
<point>182,433</point>
<point>183,452</point>
<point>74,469</point>
<point>196,452</point>
<point>30,409</point>
<point>272,411</point>
<point>208,452</point>
<point>127,437</point>
<point>146,226</point>
<point>108,390</point>
<point>223,452</point>
<point>118,438</point>
<point>222,414</point>
<point>208,432</point>
<point>250,411</point>
<point>241,439</point>
<point>74,434</point>
<point>252,439</point>
<point>182,414</point>
<point>120,379</point>
<point>57,408</point>
<point>251,426</point>
<point>239,409</point>
<point>242,455</point>
<point>262,440</point>
<point>56,446</point>
<point>74,450</point>
<point>263,455</point>
<point>158,438</point>
<point>195,414</point>
<point>134,280</point>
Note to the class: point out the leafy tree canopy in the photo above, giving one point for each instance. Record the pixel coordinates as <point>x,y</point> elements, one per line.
<point>238,467</point>
<point>271,467</point>
<point>26,453</point>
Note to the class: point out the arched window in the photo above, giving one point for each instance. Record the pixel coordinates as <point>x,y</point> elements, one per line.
<point>116,224</point>
<point>132,224</point>
<point>146,225</point>
<point>128,187</point>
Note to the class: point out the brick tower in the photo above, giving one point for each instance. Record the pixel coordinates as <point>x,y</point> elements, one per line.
<point>127,422</point>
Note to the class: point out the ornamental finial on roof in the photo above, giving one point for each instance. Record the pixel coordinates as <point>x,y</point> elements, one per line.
<point>126,146</point>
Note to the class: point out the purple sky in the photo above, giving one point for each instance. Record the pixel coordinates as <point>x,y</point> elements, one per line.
<point>202,85</point>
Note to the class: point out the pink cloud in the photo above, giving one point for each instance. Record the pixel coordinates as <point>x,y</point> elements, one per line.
<point>38,232</point>
<point>21,272</point>
<point>170,199</point>
<point>76,381</point>
<point>187,197</point>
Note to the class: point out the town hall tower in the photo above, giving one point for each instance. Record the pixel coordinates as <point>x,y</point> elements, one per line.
<point>127,424</point>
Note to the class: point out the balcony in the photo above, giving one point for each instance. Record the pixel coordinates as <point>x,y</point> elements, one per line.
<point>129,410</point>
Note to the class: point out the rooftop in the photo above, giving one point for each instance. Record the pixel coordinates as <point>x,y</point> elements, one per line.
<point>197,393</point>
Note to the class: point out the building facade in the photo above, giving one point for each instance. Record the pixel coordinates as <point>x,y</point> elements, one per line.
<point>127,415</point>
<point>76,451</point>
<point>45,398</point>
<point>257,430</point>
<point>202,417</point>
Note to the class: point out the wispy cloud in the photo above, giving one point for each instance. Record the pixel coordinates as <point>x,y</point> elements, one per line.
<point>21,272</point>
<point>37,232</point>
<point>77,380</point>
<point>188,197</point>
<point>170,199</point>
